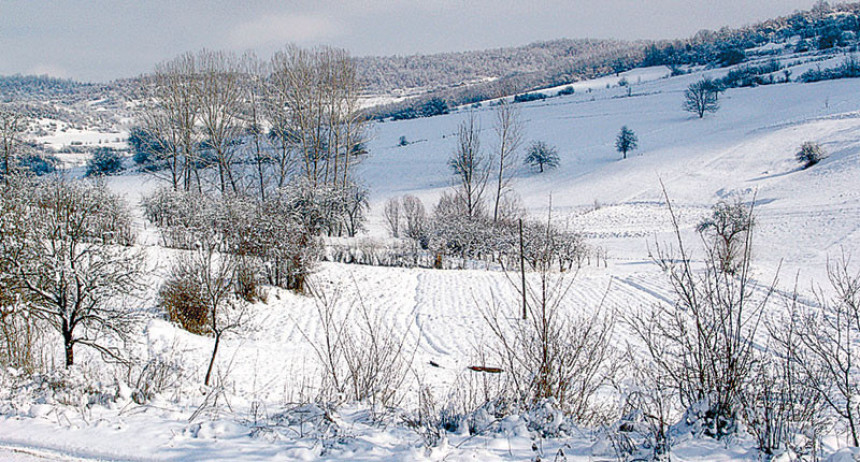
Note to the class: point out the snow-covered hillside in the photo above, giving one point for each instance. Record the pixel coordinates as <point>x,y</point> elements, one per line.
<point>747,148</point>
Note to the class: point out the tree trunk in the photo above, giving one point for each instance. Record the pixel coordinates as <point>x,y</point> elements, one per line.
<point>212,359</point>
<point>69,346</point>
<point>852,424</point>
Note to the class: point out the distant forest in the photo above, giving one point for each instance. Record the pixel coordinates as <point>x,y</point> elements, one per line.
<point>462,78</point>
<point>431,84</point>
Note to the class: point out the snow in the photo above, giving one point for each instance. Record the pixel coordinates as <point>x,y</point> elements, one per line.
<point>746,149</point>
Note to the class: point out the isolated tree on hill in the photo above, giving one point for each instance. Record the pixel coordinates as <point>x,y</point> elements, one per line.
<point>542,155</point>
<point>728,228</point>
<point>702,97</point>
<point>509,136</point>
<point>626,141</point>
<point>470,166</point>
<point>810,154</point>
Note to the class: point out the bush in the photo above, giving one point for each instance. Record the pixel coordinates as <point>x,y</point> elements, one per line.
<point>526,97</point>
<point>849,68</point>
<point>147,149</point>
<point>38,165</point>
<point>750,76</point>
<point>183,300</point>
<point>569,90</point>
<point>105,161</point>
<point>731,56</point>
<point>810,154</point>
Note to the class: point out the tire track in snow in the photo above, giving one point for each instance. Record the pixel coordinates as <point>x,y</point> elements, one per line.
<point>424,336</point>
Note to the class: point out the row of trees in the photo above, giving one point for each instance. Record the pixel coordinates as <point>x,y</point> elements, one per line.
<point>237,125</point>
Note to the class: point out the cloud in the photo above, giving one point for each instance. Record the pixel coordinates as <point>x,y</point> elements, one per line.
<point>281,29</point>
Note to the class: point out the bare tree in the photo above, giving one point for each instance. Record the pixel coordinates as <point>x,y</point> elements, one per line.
<point>18,330</point>
<point>702,97</point>
<point>253,114</point>
<point>317,109</point>
<point>470,166</point>
<point>76,272</point>
<point>415,216</point>
<point>12,124</point>
<point>704,340</point>
<point>828,336</point>
<point>509,136</point>
<point>221,94</point>
<point>212,277</point>
<point>392,216</point>
<point>728,230</point>
<point>170,116</point>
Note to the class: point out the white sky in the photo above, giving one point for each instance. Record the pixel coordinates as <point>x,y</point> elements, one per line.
<point>100,40</point>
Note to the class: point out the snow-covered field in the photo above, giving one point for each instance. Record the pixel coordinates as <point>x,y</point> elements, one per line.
<point>746,149</point>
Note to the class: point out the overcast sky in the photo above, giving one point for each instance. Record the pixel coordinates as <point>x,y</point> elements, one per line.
<point>99,40</point>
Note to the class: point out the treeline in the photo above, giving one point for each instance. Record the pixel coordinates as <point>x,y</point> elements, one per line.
<point>822,27</point>
<point>539,65</point>
<point>558,62</point>
<point>241,126</point>
<point>444,70</point>
<point>37,87</point>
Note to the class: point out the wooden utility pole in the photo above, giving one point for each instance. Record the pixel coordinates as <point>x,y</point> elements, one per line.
<point>523,271</point>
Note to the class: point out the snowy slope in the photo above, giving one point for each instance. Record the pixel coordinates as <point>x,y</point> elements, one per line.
<point>746,148</point>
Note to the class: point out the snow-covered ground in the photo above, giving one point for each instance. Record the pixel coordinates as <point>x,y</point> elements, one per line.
<point>746,149</point>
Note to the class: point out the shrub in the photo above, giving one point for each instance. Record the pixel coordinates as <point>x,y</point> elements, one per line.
<point>38,165</point>
<point>147,148</point>
<point>526,97</point>
<point>569,90</point>
<point>731,56</point>
<point>182,298</point>
<point>849,68</point>
<point>105,161</point>
<point>810,154</point>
